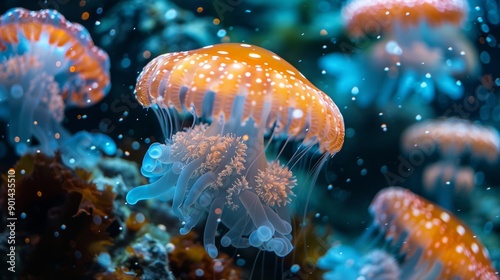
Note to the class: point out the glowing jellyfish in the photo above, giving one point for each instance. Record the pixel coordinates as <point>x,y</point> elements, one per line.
<point>420,49</point>
<point>245,93</point>
<point>458,142</point>
<point>453,138</point>
<point>442,173</point>
<point>46,65</point>
<point>435,244</point>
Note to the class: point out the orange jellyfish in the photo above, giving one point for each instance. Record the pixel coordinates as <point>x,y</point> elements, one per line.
<point>244,93</point>
<point>434,243</point>
<point>365,16</point>
<point>444,173</point>
<point>459,142</point>
<point>454,137</point>
<point>421,50</point>
<point>46,65</point>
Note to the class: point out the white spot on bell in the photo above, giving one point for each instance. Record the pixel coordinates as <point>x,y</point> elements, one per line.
<point>474,247</point>
<point>297,114</point>
<point>445,217</point>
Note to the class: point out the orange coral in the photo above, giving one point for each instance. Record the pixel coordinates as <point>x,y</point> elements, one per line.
<point>189,260</point>
<point>136,221</point>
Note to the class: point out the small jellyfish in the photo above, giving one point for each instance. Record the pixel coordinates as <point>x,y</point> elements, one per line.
<point>454,137</point>
<point>420,49</point>
<point>433,243</point>
<point>238,94</point>
<point>443,174</point>
<point>459,142</point>
<point>46,65</point>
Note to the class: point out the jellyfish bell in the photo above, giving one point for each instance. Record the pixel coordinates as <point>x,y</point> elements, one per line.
<point>237,94</point>
<point>433,243</point>
<point>403,48</point>
<point>461,146</point>
<point>367,15</point>
<point>455,138</point>
<point>46,65</point>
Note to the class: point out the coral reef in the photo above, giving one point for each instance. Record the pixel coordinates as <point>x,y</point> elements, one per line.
<point>63,220</point>
<point>189,260</point>
<point>345,262</point>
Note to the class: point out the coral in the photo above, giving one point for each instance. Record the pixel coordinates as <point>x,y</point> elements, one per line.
<point>345,262</point>
<point>143,257</point>
<point>189,260</point>
<point>48,64</point>
<point>135,222</point>
<point>63,219</point>
<point>121,170</point>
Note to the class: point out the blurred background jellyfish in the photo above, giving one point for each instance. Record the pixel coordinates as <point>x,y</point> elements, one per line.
<point>433,243</point>
<point>244,93</point>
<point>404,47</point>
<point>46,65</point>
<point>419,240</point>
<point>461,145</point>
<point>445,180</point>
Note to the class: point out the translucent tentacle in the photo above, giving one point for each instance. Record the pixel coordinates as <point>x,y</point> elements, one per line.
<point>211,226</point>
<point>152,190</point>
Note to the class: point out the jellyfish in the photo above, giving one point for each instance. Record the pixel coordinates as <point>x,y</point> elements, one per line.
<point>238,94</point>
<point>46,65</point>
<point>461,146</point>
<point>443,173</point>
<point>419,48</point>
<point>433,243</point>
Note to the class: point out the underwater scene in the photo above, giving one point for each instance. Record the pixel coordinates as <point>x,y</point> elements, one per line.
<point>250,139</point>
